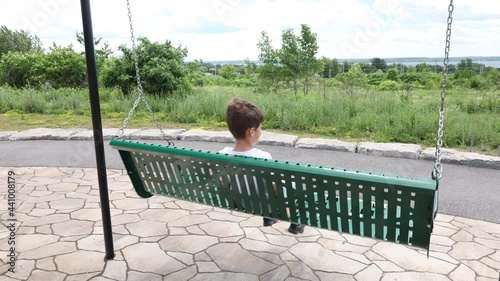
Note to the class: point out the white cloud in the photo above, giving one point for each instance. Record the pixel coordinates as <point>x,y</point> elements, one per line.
<point>382,28</point>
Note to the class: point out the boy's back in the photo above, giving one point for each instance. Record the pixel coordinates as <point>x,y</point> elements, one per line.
<point>244,121</point>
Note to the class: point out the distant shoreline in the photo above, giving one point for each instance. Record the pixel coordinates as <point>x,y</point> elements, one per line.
<point>486,60</point>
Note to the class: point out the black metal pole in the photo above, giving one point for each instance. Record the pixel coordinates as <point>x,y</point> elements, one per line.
<point>97,126</point>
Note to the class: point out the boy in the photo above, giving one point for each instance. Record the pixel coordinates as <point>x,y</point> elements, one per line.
<point>244,121</point>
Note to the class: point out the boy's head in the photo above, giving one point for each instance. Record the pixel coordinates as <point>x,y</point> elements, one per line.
<point>242,115</point>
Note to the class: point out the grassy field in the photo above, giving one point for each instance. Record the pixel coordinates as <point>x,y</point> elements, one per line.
<point>472,117</point>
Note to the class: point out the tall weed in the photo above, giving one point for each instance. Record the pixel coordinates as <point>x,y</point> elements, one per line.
<point>472,118</point>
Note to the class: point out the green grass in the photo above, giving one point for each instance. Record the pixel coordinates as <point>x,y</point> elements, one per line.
<point>472,118</point>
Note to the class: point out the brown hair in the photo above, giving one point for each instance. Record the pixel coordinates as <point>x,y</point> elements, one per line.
<point>242,115</point>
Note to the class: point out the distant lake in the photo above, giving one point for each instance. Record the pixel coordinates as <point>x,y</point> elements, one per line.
<point>390,61</point>
<point>493,63</point>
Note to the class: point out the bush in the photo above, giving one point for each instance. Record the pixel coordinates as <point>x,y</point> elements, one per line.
<point>161,67</point>
<point>392,75</point>
<point>22,69</point>
<point>114,73</point>
<point>376,78</point>
<point>478,83</point>
<point>427,80</point>
<point>228,71</point>
<point>64,68</point>
<point>240,81</point>
<point>389,85</point>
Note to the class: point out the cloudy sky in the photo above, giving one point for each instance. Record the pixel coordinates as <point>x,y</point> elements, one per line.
<point>229,29</point>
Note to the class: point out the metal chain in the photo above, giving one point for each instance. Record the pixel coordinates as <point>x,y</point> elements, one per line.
<point>140,90</point>
<point>438,168</point>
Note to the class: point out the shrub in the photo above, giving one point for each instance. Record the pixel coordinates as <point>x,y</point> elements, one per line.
<point>161,66</point>
<point>376,78</point>
<point>389,85</point>
<point>63,67</point>
<point>392,75</point>
<point>228,71</point>
<point>22,69</point>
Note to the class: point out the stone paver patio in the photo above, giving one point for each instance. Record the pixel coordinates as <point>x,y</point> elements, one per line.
<point>59,237</point>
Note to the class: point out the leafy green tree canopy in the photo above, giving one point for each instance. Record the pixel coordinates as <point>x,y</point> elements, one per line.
<point>295,60</point>
<point>250,68</point>
<point>392,75</point>
<point>228,71</point>
<point>290,56</point>
<point>64,67</point>
<point>18,41</point>
<point>309,48</point>
<point>423,67</point>
<point>464,64</point>
<point>331,67</point>
<point>102,51</point>
<point>379,63</point>
<point>21,69</point>
<point>161,67</point>
<point>61,67</point>
<point>270,73</point>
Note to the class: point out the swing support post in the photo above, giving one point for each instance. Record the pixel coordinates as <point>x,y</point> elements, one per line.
<point>97,127</point>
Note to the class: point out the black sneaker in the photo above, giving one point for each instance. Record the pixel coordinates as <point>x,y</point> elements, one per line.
<point>269,222</point>
<point>296,228</point>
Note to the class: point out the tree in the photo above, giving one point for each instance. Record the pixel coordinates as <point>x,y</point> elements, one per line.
<point>21,69</point>
<point>376,78</point>
<point>309,48</point>
<point>331,67</point>
<point>389,85</point>
<point>270,73</point>
<point>379,63</point>
<point>464,73</point>
<point>355,76</point>
<point>493,77</point>
<point>197,66</point>
<point>197,70</point>
<point>250,68</point>
<point>452,68</point>
<point>423,67</point>
<point>464,64</point>
<point>295,60</point>
<point>228,71</point>
<point>400,67</point>
<point>392,75</point>
<point>468,64</point>
<point>366,68</point>
<point>353,79</point>
<point>63,67</point>
<point>298,56</point>
<point>267,55</point>
<point>290,56</point>
<point>161,66</point>
<point>102,53</point>
<point>465,77</point>
<point>18,41</point>
<point>346,66</point>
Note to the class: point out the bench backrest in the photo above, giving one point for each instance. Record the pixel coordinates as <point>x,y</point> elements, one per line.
<point>379,206</point>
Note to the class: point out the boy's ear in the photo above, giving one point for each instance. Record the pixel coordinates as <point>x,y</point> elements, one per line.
<point>250,132</point>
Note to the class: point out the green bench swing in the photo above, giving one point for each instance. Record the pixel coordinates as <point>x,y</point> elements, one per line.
<point>385,207</point>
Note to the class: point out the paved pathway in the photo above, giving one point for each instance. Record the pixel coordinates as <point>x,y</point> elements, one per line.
<point>59,237</point>
<point>464,191</point>
<point>395,150</point>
